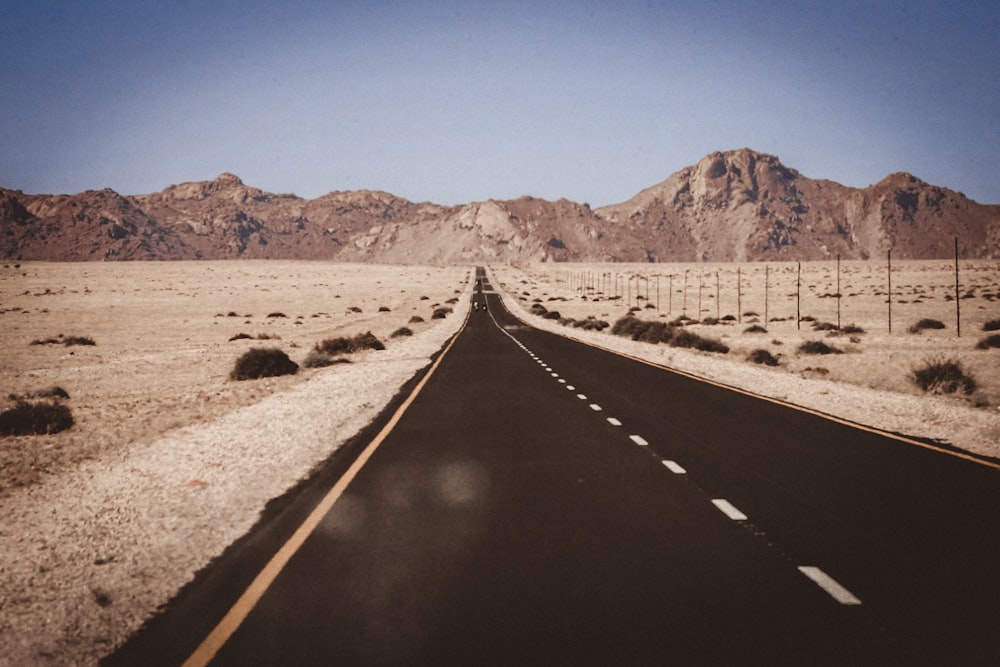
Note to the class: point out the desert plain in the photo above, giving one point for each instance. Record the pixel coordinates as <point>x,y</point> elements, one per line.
<point>169,460</point>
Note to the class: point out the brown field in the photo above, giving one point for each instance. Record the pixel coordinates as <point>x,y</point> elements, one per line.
<point>873,358</point>
<point>163,354</point>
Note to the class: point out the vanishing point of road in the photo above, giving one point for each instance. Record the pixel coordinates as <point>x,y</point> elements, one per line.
<point>531,500</point>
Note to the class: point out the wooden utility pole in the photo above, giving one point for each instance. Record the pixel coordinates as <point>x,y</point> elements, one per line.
<point>766,276</point>
<point>739,298</point>
<point>889,280</point>
<point>958,300</point>
<point>838,291</point>
<point>798,298</point>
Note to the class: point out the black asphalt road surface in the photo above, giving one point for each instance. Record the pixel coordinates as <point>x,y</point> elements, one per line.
<point>543,502</point>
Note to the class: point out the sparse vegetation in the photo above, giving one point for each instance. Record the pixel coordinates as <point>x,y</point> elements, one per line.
<point>262,362</point>
<point>441,313</point>
<point>756,328</point>
<point>818,347</point>
<point>988,342</point>
<point>64,340</point>
<point>992,325</point>
<point>316,359</point>
<point>416,319</point>
<point>384,309</point>
<point>762,356</point>
<point>276,315</point>
<point>401,331</point>
<point>35,418</point>
<point>345,345</point>
<point>943,377</point>
<point>926,323</point>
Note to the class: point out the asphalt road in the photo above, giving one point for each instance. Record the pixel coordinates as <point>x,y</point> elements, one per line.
<point>545,502</point>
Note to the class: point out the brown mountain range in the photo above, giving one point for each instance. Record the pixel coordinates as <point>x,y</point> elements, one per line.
<point>732,206</point>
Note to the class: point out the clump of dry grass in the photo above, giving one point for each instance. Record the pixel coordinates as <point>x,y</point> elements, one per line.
<point>988,342</point>
<point>262,362</point>
<point>316,359</point>
<point>661,332</point>
<point>818,347</point>
<point>944,376</point>
<point>441,313</point>
<point>926,323</point>
<point>35,418</point>
<point>992,325</point>
<point>349,345</point>
<point>401,331</point>
<point>64,340</point>
<point>762,356</point>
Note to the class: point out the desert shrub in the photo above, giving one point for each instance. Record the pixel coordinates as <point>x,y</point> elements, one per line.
<point>232,313</point>
<point>818,347</point>
<point>276,315</point>
<point>64,340</point>
<point>807,318</point>
<point>538,309</point>
<point>384,309</point>
<point>943,377</point>
<point>241,336</point>
<point>316,359</point>
<point>346,345</point>
<point>452,300</point>
<point>401,331</point>
<point>728,318</point>
<point>53,392</point>
<point>751,313</point>
<point>756,328</point>
<point>262,362</point>
<point>591,324</point>
<point>762,356</point>
<point>852,329</point>
<point>926,323</point>
<point>988,342</point>
<point>552,315</point>
<point>824,326</point>
<point>354,309</point>
<point>687,338</point>
<point>992,325</point>
<point>416,319</point>
<point>35,418</point>
<point>440,313</point>
<point>710,321</point>
<point>642,330</point>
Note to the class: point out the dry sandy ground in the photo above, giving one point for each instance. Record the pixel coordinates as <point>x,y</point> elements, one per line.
<point>871,381</point>
<point>170,461</point>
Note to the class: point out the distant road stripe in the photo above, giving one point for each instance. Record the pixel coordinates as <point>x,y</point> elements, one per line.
<point>827,583</point>
<point>562,381</point>
<point>614,422</point>
<point>571,387</point>
<point>595,407</point>
<point>555,375</point>
<point>639,440</point>
<point>674,467</point>
<point>582,397</point>
<point>727,508</point>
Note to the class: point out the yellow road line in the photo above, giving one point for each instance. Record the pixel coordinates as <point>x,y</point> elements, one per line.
<point>252,595</point>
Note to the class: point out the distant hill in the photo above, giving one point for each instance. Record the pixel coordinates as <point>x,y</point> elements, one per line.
<point>732,206</point>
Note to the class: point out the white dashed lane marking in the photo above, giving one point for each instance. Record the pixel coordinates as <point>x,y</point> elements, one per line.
<point>827,583</point>
<point>614,422</point>
<point>727,508</point>
<point>639,440</point>
<point>595,407</point>
<point>571,387</point>
<point>674,467</point>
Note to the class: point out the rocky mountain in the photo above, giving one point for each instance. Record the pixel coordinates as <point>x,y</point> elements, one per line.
<point>732,206</point>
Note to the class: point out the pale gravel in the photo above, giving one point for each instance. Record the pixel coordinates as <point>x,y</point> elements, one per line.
<point>140,522</point>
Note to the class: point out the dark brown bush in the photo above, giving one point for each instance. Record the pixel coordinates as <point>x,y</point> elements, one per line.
<point>345,345</point>
<point>762,356</point>
<point>988,342</point>
<point>818,347</point>
<point>35,418</point>
<point>401,331</point>
<point>926,323</point>
<point>262,362</point>
<point>944,377</point>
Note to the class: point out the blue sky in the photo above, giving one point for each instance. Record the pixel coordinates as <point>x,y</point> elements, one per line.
<point>453,102</point>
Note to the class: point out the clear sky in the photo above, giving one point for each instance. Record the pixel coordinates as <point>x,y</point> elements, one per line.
<point>453,102</point>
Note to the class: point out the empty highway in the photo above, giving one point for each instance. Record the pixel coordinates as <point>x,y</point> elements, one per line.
<point>540,501</point>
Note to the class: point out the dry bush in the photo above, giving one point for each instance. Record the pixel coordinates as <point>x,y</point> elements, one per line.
<point>276,315</point>
<point>943,377</point>
<point>401,331</point>
<point>345,345</point>
<point>64,340</point>
<point>762,356</point>
<point>416,319</point>
<point>992,325</point>
<point>317,359</point>
<point>441,313</point>
<point>384,309</point>
<point>35,418</point>
<point>988,342</point>
<point>262,362</point>
<point>926,323</point>
<point>687,338</point>
<point>818,347</point>
<point>756,328</point>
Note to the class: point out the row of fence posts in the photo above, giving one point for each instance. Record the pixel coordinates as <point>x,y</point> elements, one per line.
<point>619,285</point>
